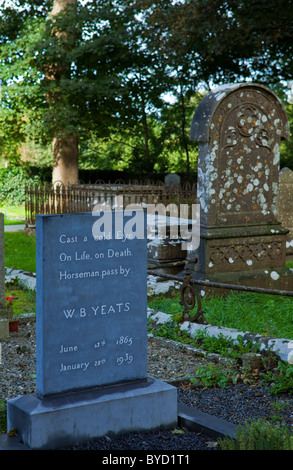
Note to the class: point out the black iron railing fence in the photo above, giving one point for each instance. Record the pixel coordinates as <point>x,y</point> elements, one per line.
<point>60,199</point>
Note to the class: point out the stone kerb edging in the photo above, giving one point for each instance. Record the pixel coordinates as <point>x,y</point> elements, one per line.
<point>25,278</point>
<point>281,346</point>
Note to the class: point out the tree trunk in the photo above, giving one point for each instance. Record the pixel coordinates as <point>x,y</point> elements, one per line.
<point>148,160</point>
<point>146,141</point>
<point>183,130</point>
<point>65,146</point>
<point>65,164</point>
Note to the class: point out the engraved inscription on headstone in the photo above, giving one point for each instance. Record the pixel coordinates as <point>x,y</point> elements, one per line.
<point>91,305</point>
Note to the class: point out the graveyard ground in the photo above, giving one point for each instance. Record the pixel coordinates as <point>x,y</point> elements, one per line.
<point>215,389</point>
<point>222,387</point>
<point>216,385</point>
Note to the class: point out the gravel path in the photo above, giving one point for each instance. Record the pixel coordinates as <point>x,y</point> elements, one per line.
<point>169,362</point>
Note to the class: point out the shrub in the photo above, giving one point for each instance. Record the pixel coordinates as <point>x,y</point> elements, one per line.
<point>281,379</point>
<point>3,416</point>
<point>12,184</point>
<point>259,435</point>
<point>212,375</point>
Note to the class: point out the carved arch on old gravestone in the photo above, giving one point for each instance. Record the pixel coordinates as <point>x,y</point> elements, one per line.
<point>239,128</point>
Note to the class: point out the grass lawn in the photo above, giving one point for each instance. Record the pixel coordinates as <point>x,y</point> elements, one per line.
<point>20,251</point>
<point>13,214</point>
<point>257,313</point>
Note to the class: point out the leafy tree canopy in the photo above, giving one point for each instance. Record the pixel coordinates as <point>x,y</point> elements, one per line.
<point>100,69</point>
<point>65,71</point>
<point>225,40</point>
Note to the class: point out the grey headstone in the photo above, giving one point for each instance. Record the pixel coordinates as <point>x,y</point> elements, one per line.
<point>239,128</point>
<point>91,306</point>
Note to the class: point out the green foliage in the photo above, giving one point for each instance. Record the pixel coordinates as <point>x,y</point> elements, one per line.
<point>12,133</point>
<point>258,308</point>
<point>286,149</point>
<point>224,41</point>
<point>102,70</point>
<point>221,344</point>
<point>3,416</point>
<point>82,72</point>
<point>225,346</point>
<point>281,380</point>
<point>258,313</point>
<point>13,214</point>
<point>22,300</point>
<point>169,330</point>
<point>178,431</point>
<point>20,251</point>
<point>211,375</point>
<point>259,435</point>
<point>12,185</point>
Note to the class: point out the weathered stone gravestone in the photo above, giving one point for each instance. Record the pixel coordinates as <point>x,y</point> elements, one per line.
<point>285,205</point>
<point>239,128</point>
<point>91,337</point>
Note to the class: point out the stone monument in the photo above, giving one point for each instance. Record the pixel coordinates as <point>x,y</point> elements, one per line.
<point>91,337</point>
<point>239,128</point>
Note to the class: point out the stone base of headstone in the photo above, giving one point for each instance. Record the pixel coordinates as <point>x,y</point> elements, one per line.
<point>67,419</point>
<point>253,256</point>
<point>276,279</point>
